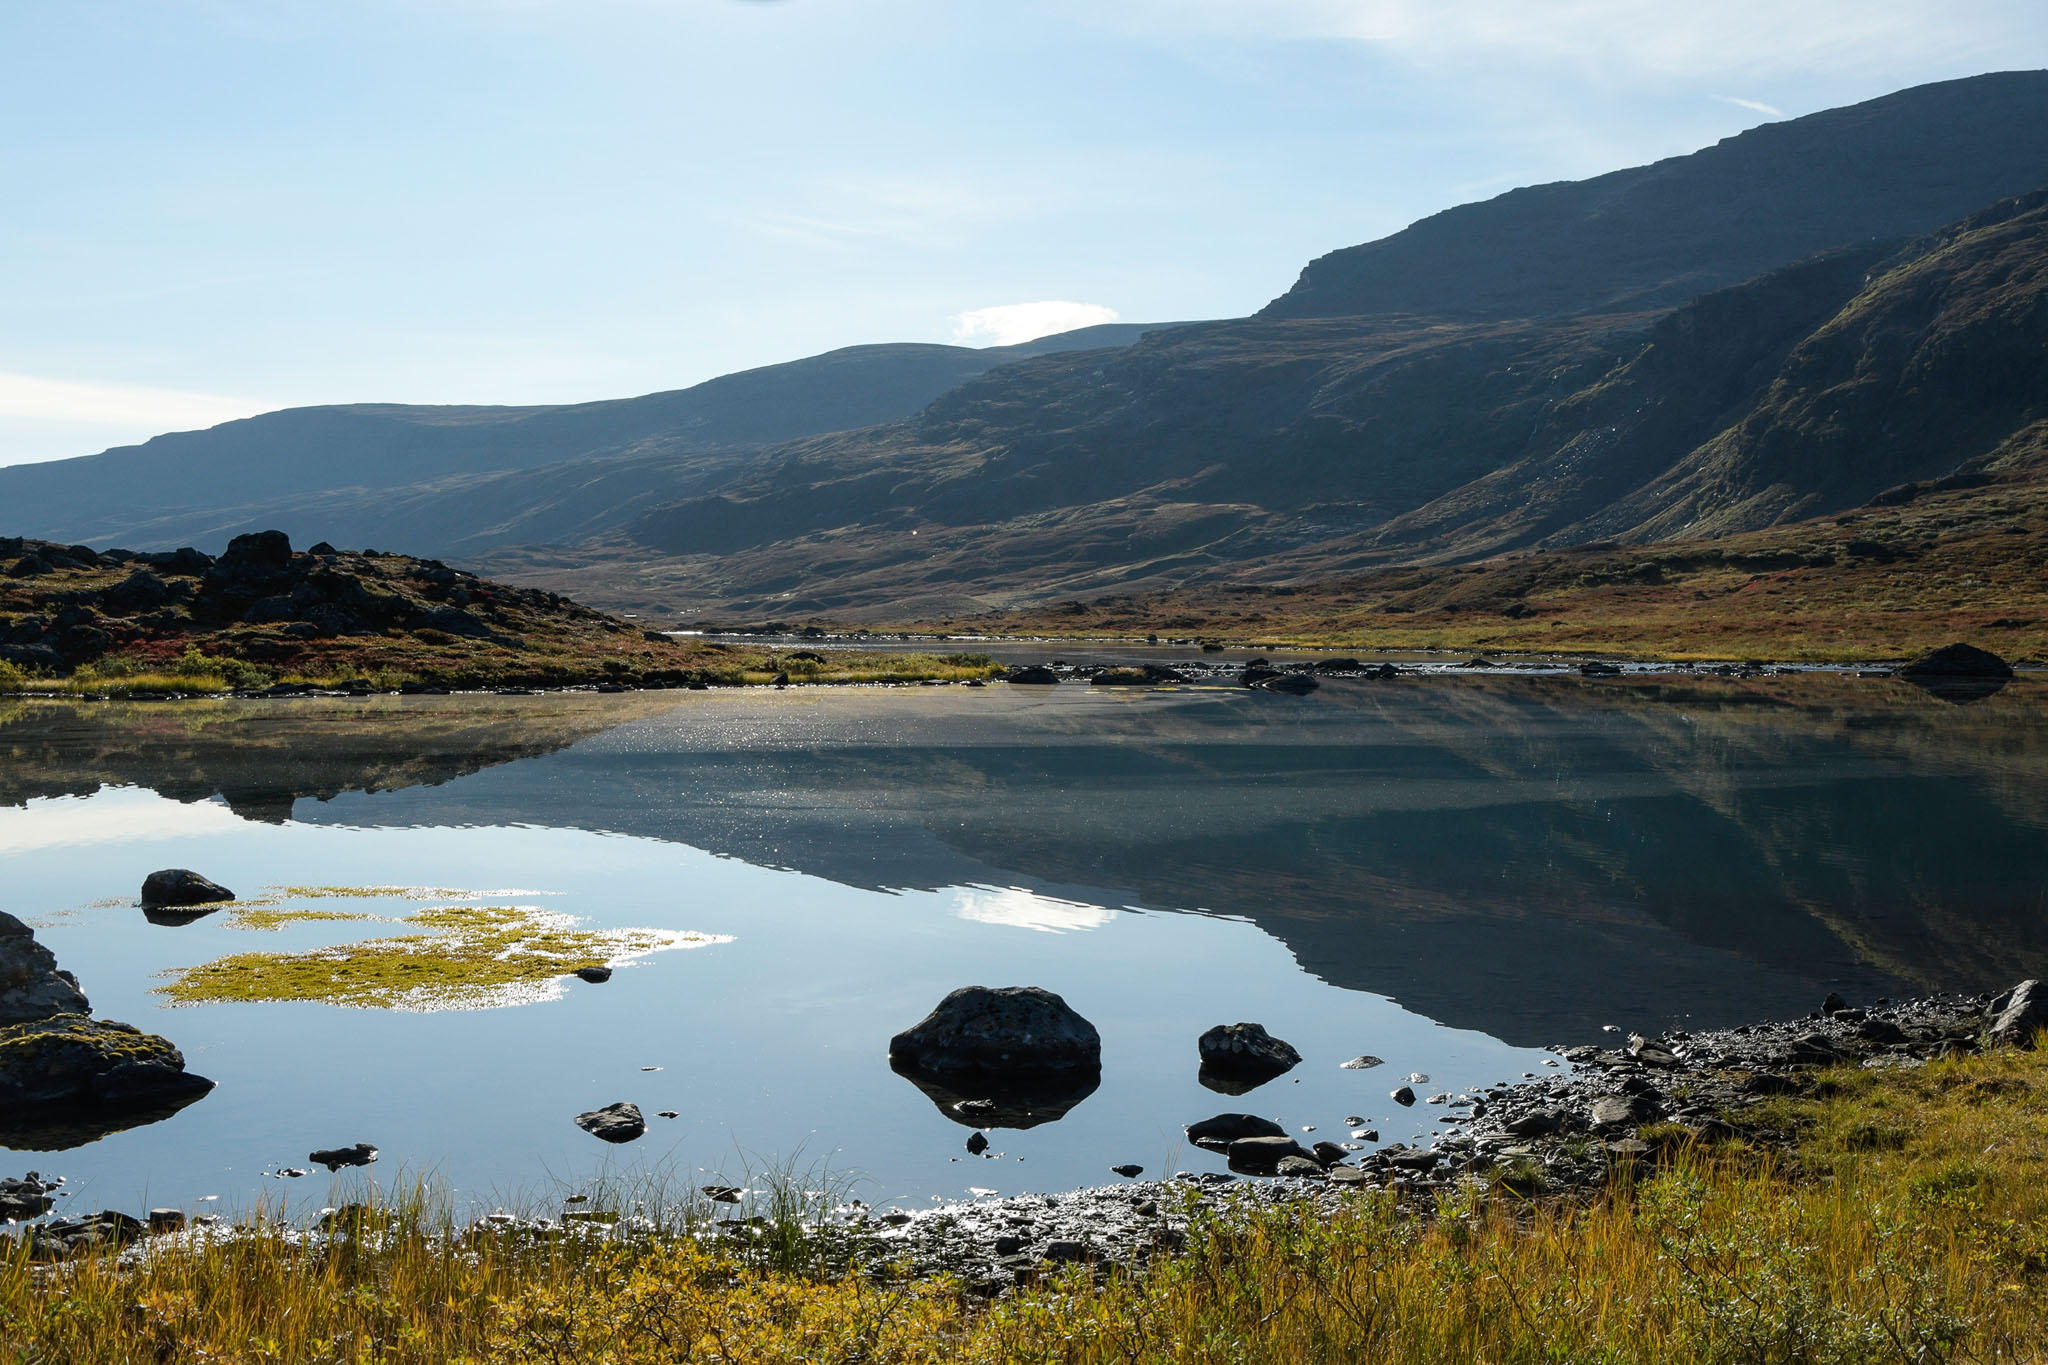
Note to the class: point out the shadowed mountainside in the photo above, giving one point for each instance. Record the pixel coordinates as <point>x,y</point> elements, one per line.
<point>1654,236</point>
<point>1297,451</point>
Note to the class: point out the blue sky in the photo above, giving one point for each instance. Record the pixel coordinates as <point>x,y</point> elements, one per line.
<point>214,207</point>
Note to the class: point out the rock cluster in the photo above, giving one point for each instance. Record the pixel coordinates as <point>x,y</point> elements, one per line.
<point>65,1077</point>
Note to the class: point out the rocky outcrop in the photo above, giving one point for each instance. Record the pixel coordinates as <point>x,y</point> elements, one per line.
<point>65,1077</point>
<point>31,986</point>
<point>2018,1015</point>
<point>71,1079</point>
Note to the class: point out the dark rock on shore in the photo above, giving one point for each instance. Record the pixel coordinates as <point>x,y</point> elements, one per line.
<point>2018,1015</point>
<point>334,1158</point>
<point>1031,675</point>
<point>1219,1132</point>
<point>596,976</point>
<point>179,886</point>
<point>1261,1155</point>
<point>26,1197</point>
<point>621,1122</point>
<point>31,985</point>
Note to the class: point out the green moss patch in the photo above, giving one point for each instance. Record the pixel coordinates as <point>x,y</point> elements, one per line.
<point>473,957</point>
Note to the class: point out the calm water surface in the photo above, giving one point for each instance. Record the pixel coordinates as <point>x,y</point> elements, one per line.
<point>1448,874</point>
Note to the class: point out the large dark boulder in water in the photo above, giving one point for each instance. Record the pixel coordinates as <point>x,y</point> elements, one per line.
<point>621,1122</point>
<point>1001,1056</point>
<point>998,1029</point>
<point>1958,661</point>
<point>1245,1054</point>
<point>71,1079</point>
<point>1959,673</point>
<point>181,886</point>
<point>31,986</point>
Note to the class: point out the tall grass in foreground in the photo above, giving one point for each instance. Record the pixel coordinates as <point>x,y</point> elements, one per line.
<point>1910,1225</point>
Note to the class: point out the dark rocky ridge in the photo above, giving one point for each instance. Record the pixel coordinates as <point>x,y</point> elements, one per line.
<point>1657,235</point>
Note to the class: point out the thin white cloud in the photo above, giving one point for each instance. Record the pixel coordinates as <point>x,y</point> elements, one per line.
<point>1769,110</point>
<point>1620,38</point>
<point>1008,324</point>
<point>128,405</point>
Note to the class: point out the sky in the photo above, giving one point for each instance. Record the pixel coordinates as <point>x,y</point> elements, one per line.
<point>218,207</point>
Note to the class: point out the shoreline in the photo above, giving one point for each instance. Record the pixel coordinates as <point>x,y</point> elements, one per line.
<point>1610,1116</point>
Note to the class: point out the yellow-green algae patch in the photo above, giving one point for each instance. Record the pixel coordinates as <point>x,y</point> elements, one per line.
<point>476,957</point>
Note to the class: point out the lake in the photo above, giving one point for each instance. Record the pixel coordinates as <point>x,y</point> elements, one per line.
<point>1448,873</point>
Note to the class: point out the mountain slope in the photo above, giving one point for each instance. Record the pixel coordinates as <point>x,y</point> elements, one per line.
<point>326,472</point>
<point>1291,451</point>
<point>1656,235</point>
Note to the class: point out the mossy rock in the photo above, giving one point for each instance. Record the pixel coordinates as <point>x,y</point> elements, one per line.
<point>71,1078</point>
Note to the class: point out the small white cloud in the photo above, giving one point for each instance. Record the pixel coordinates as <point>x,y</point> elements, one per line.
<point>128,405</point>
<point>1769,110</point>
<point>1007,324</point>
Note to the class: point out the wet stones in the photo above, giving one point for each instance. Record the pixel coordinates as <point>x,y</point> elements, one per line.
<point>596,976</point>
<point>1262,1155</point>
<point>180,886</point>
<point>26,1197</point>
<point>621,1122</point>
<point>1216,1134</point>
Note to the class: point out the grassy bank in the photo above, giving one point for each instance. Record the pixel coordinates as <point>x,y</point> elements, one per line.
<point>1907,1220</point>
<point>1877,583</point>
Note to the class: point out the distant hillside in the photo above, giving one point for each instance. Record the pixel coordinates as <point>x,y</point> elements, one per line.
<point>1288,451</point>
<point>1654,236</point>
<point>335,472</point>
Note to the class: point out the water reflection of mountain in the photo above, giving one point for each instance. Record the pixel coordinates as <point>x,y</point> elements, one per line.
<point>1527,857</point>
<point>262,756</point>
